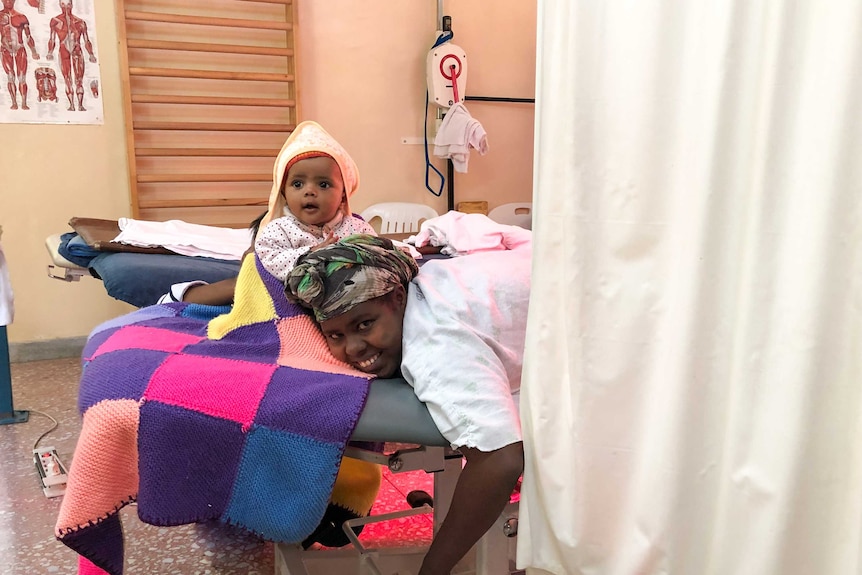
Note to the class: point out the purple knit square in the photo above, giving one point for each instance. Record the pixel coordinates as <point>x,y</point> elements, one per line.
<point>275,288</point>
<point>128,370</point>
<point>136,316</point>
<point>181,324</point>
<point>258,342</point>
<point>225,388</point>
<point>101,543</point>
<point>188,462</point>
<point>95,341</point>
<point>311,403</point>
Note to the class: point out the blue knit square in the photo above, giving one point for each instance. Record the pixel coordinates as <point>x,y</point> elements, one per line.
<point>283,485</point>
<point>205,312</point>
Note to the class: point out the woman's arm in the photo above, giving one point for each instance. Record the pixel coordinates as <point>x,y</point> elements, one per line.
<point>481,494</point>
<point>218,293</point>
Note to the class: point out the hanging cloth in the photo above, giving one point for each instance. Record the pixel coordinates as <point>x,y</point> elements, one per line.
<point>459,132</point>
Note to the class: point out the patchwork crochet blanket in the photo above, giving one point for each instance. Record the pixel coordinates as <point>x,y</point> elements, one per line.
<point>198,415</point>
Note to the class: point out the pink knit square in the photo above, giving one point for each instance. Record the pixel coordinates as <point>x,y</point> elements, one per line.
<point>142,337</point>
<point>85,567</point>
<point>104,472</point>
<point>226,388</point>
<point>303,347</point>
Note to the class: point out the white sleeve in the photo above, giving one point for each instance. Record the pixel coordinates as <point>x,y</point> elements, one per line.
<point>178,291</point>
<point>353,225</point>
<point>463,345</point>
<point>278,247</point>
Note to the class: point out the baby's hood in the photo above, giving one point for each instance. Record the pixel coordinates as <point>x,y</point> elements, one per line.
<point>309,137</point>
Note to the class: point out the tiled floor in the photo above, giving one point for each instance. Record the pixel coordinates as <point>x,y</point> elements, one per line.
<point>27,543</point>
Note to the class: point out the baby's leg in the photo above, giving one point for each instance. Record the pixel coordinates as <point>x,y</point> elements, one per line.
<point>481,494</point>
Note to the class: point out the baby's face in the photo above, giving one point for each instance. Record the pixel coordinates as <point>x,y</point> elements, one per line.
<point>314,190</point>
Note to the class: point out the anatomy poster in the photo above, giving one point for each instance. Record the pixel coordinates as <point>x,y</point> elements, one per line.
<point>50,62</point>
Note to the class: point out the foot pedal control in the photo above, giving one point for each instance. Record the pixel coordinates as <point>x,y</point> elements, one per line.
<point>418,498</point>
<point>51,471</point>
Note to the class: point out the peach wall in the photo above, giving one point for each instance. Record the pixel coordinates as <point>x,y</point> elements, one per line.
<point>49,174</point>
<point>361,76</point>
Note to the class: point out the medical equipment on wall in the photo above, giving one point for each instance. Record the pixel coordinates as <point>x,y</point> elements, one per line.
<point>446,77</point>
<point>446,70</point>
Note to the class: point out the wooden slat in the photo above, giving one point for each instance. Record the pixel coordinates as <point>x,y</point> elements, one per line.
<point>213,126</point>
<point>127,108</point>
<point>190,195</point>
<point>164,178</point>
<point>209,74</point>
<point>207,152</point>
<point>293,63</point>
<point>211,100</point>
<point>206,21</point>
<point>204,47</point>
<point>203,203</point>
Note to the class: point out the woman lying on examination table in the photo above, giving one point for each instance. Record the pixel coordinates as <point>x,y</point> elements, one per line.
<point>455,331</point>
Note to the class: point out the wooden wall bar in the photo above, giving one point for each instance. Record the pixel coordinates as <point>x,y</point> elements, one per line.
<point>210,97</point>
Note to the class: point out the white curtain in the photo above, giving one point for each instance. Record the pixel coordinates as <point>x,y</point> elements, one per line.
<point>692,401</point>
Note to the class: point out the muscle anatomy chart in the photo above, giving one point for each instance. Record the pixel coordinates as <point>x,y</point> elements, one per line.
<point>50,62</point>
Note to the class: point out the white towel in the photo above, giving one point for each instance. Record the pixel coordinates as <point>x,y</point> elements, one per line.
<point>459,132</point>
<point>458,233</point>
<point>7,298</point>
<point>185,238</point>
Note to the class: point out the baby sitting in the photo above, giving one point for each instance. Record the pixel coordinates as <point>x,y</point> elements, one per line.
<point>313,178</point>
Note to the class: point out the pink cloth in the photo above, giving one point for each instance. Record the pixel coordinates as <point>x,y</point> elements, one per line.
<point>458,234</point>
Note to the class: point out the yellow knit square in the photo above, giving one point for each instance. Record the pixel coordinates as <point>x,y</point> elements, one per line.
<point>252,303</point>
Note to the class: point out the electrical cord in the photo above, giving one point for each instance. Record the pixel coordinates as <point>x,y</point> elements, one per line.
<point>428,164</point>
<point>441,39</point>
<point>52,428</point>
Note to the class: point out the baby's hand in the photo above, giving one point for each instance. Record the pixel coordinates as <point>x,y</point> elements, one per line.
<point>327,241</point>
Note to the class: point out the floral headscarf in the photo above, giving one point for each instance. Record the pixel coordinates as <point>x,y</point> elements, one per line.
<point>334,279</point>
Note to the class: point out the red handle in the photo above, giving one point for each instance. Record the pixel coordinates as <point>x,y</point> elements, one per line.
<point>454,83</point>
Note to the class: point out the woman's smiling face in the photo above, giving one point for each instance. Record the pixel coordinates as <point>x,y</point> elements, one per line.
<point>368,336</point>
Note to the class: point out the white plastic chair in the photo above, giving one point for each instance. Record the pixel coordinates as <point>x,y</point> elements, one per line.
<point>398,217</point>
<point>515,214</point>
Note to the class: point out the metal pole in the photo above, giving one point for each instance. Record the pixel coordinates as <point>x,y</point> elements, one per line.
<point>450,179</point>
<point>8,414</point>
